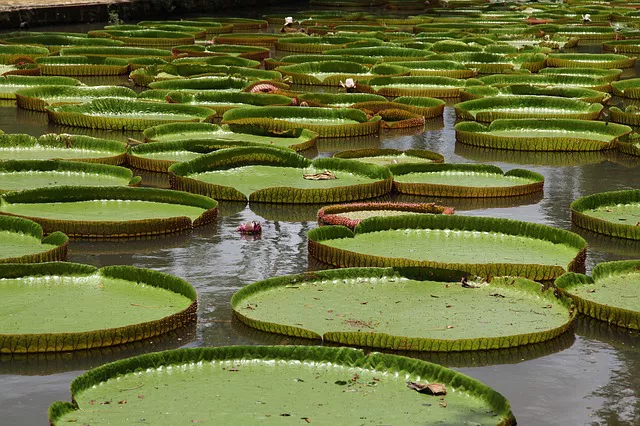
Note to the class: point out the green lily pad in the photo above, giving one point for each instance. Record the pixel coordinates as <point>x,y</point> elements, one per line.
<point>438,68</point>
<point>62,147</point>
<point>542,135</point>
<point>17,175</point>
<point>386,157</point>
<point>610,295</point>
<point>21,242</point>
<point>10,84</point>
<point>38,98</point>
<point>82,65</point>
<point>120,114</point>
<point>556,80</point>
<point>378,308</point>
<point>351,214</point>
<point>464,180</point>
<point>615,213</point>
<point>580,93</point>
<point>319,384</point>
<point>605,75</point>
<point>435,87</point>
<point>297,139</point>
<point>478,245</point>
<point>111,306</point>
<point>591,60</point>
<point>278,176</point>
<point>327,122</point>
<point>495,107</point>
<point>99,212</point>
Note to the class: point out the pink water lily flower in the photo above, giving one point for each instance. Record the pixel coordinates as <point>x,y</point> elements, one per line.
<point>250,228</point>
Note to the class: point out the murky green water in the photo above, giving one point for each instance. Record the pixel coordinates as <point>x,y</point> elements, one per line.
<point>590,378</point>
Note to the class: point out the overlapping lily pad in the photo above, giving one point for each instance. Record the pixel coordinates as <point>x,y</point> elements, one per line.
<point>82,66</point>
<point>279,176</point>
<point>117,52</point>
<point>583,94</point>
<point>21,242</point>
<point>338,100</point>
<point>351,214</point>
<point>495,107</point>
<point>120,114</point>
<point>386,157</point>
<point>62,147</point>
<point>10,84</point>
<point>16,175</point>
<point>615,213</point>
<point>320,384</point>
<point>40,97</point>
<point>297,139</point>
<point>360,306</point>
<point>610,294</point>
<point>591,60</point>
<point>331,73</point>
<point>248,52</point>
<point>627,88</point>
<point>604,75</point>
<point>222,102</point>
<point>327,122</point>
<point>10,53</point>
<point>435,87</point>
<point>111,306</point>
<point>464,180</point>
<point>555,80</point>
<point>153,38</point>
<point>230,84</point>
<point>480,246</point>
<point>542,135</point>
<point>438,68</point>
<point>110,212</point>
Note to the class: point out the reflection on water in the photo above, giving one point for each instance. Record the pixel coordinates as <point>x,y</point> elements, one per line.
<point>328,146</point>
<point>559,159</point>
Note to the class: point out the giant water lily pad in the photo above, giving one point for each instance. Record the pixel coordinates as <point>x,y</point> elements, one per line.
<point>351,214</point>
<point>385,157</point>
<point>331,73</point>
<point>101,212</point>
<point>627,88</point>
<point>580,93</point>
<point>338,100</point>
<point>542,135</point>
<point>62,147</point>
<point>240,51</point>
<point>495,107</point>
<point>10,84</point>
<point>16,175</point>
<point>438,68</point>
<point>116,52</point>
<point>591,60</point>
<point>604,75</point>
<point>435,87</point>
<point>111,306</point>
<point>615,213</point>
<point>21,242</point>
<point>611,294</point>
<point>120,114</point>
<point>556,80</point>
<point>306,384</point>
<point>327,122</point>
<point>82,65</point>
<point>361,306</point>
<point>478,245</point>
<point>38,98</point>
<point>279,176</point>
<point>297,139</point>
<point>221,102</point>
<point>464,180</point>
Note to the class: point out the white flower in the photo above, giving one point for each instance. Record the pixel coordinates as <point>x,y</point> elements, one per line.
<point>288,20</point>
<point>348,83</point>
<point>586,17</point>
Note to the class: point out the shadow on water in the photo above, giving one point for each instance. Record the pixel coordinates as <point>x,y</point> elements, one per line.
<point>621,248</point>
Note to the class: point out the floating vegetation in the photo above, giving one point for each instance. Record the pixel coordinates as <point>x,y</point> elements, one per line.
<point>82,66</point>
<point>386,157</point>
<point>609,294</point>
<point>110,212</point>
<point>615,213</point>
<point>542,135</point>
<point>351,214</point>
<point>354,307</point>
<point>38,98</point>
<point>22,242</point>
<point>111,306</point>
<point>300,377</point>
<point>270,175</point>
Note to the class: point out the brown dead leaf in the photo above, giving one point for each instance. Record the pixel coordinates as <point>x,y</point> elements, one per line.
<point>124,401</point>
<point>306,419</point>
<point>363,303</point>
<point>449,306</point>
<point>92,402</point>
<point>443,404</point>
<point>105,403</point>
<point>429,389</point>
<point>450,327</point>
<point>591,291</point>
<point>141,396</point>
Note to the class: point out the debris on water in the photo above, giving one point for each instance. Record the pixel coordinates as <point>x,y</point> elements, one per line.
<point>429,389</point>
<point>497,295</point>
<point>593,290</point>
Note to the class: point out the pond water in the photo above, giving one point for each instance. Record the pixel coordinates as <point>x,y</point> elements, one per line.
<point>590,377</point>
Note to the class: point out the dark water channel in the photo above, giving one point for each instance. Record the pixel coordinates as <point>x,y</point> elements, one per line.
<point>587,378</point>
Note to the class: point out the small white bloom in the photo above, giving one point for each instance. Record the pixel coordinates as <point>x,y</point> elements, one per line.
<point>586,17</point>
<point>348,83</point>
<point>288,20</point>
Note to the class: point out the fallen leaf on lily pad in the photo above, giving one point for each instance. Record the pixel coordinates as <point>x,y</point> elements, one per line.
<point>429,389</point>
